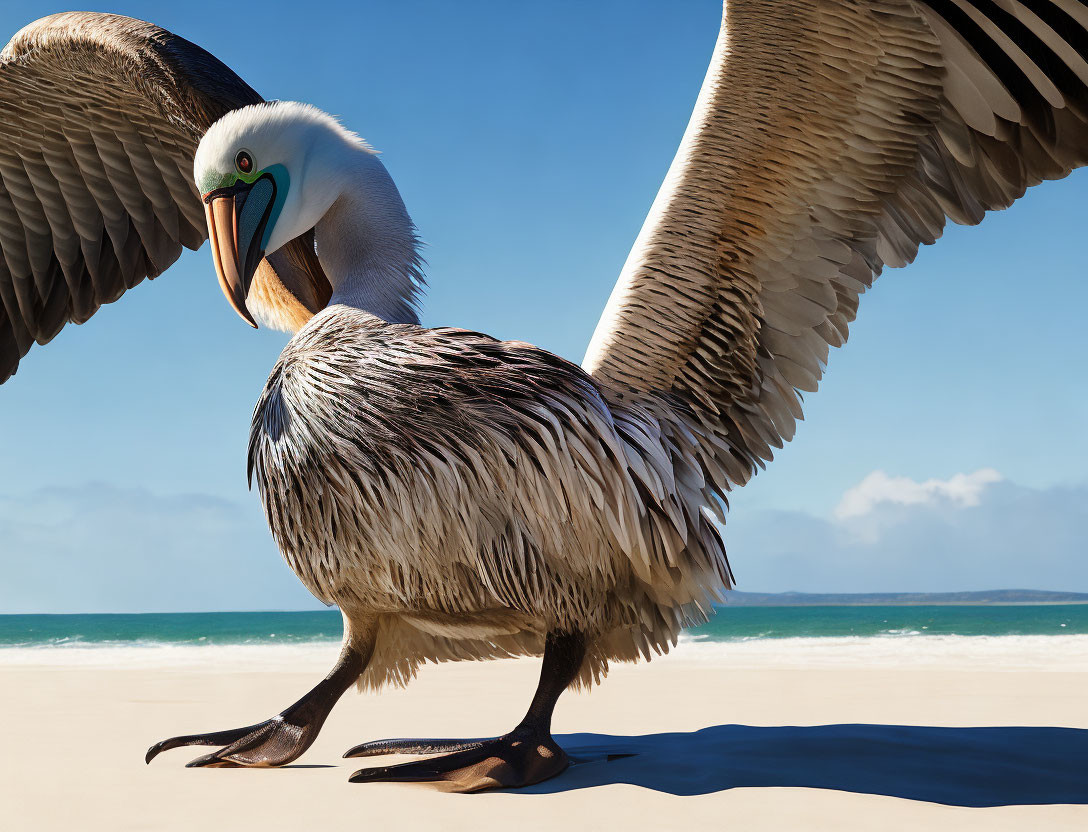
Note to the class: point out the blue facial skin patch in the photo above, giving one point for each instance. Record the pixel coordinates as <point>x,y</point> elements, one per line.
<point>251,213</point>
<point>283,182</point>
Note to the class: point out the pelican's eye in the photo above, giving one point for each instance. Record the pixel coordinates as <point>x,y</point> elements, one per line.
<point>244,162</point>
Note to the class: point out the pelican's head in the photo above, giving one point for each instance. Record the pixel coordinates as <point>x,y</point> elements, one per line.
<point>267,174</point>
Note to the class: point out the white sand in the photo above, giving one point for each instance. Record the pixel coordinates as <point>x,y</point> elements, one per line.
<point>75,730</point>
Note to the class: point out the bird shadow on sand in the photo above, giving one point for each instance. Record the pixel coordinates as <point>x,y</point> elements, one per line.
<point>956,766</point>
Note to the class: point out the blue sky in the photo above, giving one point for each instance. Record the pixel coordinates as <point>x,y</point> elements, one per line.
<point>528,141</point>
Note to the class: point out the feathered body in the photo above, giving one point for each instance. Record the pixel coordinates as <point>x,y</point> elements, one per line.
<point>467,495</point>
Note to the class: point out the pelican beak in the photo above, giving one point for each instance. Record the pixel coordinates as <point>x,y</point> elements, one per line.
<point>237,218</point>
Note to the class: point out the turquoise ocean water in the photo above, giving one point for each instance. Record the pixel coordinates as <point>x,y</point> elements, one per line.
<point>734,624</point>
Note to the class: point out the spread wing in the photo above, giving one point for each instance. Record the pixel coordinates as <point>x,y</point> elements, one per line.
<point>830,139</point>
<point>100,117</point>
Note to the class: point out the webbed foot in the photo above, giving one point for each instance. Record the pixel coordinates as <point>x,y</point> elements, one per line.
<point>521,758</point>
<point>283,738</point>
<point>274,742</point>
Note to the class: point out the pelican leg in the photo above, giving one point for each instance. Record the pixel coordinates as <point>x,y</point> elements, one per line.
<point>526,755</point>
<point>282,738</point>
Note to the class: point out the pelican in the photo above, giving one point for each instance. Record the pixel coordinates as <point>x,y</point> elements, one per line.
<point>460,497</point>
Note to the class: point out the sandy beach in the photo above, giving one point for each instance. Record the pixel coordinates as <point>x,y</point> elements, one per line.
<point>760,745</point>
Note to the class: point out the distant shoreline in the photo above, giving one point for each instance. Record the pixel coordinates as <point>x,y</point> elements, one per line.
<point>986,598</point>
<point>732,603</point>
<point>734,598</point>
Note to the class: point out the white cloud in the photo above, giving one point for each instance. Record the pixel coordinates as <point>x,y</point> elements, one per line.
<point>878,488</point>
<point>969,532</point>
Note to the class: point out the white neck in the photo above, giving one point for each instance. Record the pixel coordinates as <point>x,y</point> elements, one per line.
<point>366,243</point>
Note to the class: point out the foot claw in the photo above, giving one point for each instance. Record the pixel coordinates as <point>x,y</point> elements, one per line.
<point>369,775</point>
<point>215,738</point>
<point>212,760</point>
<point>378,748</point>
<point>506,762</point>
<point>272,743</point>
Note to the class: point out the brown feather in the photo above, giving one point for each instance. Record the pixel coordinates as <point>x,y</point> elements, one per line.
<point>827,143</point>
<point>102,117</point>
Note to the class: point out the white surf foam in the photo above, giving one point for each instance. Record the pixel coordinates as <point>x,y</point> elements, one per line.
<point>1035,653</point>
<point>218,657</point>
<point>948,652</point>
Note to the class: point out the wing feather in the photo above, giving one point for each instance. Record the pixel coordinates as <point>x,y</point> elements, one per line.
<point>830,140</point>
<point>101,117</point>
